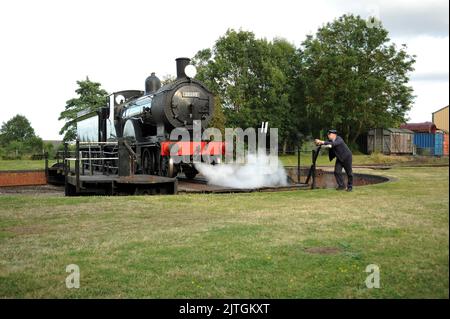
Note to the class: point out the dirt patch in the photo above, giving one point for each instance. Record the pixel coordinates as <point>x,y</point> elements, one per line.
<point>323,250</point>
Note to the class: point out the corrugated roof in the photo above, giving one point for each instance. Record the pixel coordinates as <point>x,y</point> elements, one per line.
<point>391,130</point>
<point>400,130</point>
<point>425,127</point>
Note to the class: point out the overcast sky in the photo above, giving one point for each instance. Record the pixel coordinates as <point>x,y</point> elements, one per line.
<point>47,45</point>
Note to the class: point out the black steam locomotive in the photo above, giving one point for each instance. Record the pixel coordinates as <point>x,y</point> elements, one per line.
<point>145,119</point>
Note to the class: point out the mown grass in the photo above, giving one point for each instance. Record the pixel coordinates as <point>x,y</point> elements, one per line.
<point>236,245</point>
<point>361,159</point>
<point>287,160</point>
<point>10,165</point>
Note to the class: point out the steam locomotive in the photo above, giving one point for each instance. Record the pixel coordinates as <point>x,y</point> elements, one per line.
<point>146,118</point>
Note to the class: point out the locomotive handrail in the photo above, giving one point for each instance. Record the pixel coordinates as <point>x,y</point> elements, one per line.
<point>92,153</point>
<point>91,143</point>
<point>98,142</point>
<point>90,158</point>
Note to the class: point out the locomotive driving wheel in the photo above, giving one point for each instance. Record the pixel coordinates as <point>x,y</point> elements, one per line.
<point>148,162</point>
<point>167,167</point>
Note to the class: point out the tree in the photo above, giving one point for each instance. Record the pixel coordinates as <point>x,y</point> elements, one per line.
<point>253,78</point>
<point>355,78</point>
<point>49,148</point>
<point>18,129</point>
<point>91,97</point>
<point>17,138</point>
<point>218,118</point>
<point>167,79</point>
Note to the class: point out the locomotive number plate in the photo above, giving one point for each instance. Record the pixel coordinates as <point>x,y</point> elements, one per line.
<point>190,94</point>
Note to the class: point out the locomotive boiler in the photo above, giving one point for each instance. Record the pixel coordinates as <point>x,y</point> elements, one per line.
<point>145,120</point>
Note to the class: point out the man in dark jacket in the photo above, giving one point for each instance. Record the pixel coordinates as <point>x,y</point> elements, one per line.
<point>343,156</point>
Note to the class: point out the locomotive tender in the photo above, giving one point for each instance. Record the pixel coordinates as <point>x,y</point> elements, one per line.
<point>146,118</point>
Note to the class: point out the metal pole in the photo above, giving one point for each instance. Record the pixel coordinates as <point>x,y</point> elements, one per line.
<point>102,154</point>
<point>313,171</point>
<point>77,166</point>
<point>90,161</point>
<point>46,166</point>
<point>64,159</point>
<point>66,168</point>
<point>82,162</point>
<point>298,163</point>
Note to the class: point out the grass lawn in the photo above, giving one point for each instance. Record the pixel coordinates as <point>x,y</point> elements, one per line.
<point>361,159</point>
<point>287,160</point>
<point>9,165</point>
<point>233,245</point>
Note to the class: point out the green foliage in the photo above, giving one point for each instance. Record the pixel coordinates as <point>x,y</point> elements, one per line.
<point>355,78</point>
<point>49,149</point>
<point>254,79</point>
<point>348,76</point>
<point>218,119</point>
<point>17,138</point>
<point>90,97</point>
<point>16,129</point>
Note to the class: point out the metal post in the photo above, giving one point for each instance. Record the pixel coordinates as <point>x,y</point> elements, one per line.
<point>64,160</point>
<point>46,166</point>
<point>91,172</point>
<point>102,154</point>
<point>77,165</point>
<point>66,168</point>
<point>298,163</point>
<point>313,171</point>
<point>82,162</point>
<point>104,168</point>
<point>124,159</point>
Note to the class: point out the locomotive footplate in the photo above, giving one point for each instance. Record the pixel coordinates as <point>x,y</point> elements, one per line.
<point>120,185</point>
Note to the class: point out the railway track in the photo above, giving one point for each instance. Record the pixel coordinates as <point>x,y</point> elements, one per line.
<point>200,185</point>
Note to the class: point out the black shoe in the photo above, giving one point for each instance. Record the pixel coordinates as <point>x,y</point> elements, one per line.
<point>340,188</point>
<point>349,189</point>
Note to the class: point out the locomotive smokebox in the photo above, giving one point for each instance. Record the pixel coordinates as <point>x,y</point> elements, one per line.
<point>152,84</point>
<point>181,65</point>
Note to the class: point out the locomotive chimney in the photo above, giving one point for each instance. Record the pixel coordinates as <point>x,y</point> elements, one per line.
<point>152,84</point>
<point>181,64</point>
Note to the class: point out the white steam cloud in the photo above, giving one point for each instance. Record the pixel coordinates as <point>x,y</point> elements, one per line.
<point>259,171</point>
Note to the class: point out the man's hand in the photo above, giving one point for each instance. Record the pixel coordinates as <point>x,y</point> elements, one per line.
<point>318,142</point>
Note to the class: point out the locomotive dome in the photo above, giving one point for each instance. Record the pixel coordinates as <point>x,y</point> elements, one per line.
<point>152,84</point>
